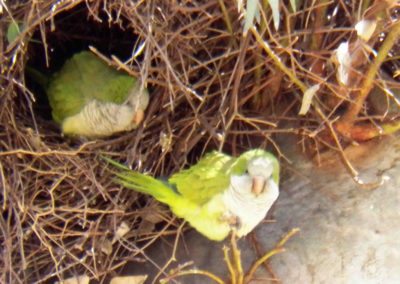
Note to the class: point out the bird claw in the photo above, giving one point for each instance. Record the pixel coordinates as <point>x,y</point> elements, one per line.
<point>233,221</point>
<point>230,219</point>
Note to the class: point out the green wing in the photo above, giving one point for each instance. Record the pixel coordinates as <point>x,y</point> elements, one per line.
<point>85,77</point>
<point>205,179</point>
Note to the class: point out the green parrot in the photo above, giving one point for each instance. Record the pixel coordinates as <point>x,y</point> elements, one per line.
<point>91,99</point>
<point>218,195</point>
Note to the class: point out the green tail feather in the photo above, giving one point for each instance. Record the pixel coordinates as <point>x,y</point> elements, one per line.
<point>391,127</point>
<point>144,183</point>
<point>38,77</point>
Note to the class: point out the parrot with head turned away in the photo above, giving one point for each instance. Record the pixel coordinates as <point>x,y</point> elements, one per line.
<point>91,99</point>
<point>218,195</point>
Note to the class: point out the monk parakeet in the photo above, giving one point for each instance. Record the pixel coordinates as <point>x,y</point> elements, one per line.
<point>91,99</point>
<point>218,195</point>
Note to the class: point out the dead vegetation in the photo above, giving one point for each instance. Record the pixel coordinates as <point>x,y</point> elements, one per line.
<point>211,88</point>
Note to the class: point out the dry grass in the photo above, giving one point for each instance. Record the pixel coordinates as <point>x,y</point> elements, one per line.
<point>211,88</point>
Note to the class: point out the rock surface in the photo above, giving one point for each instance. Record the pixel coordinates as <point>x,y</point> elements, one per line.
<point>348,234</point>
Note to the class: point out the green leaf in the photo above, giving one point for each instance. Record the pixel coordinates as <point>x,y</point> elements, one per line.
<point>13,31</point>
<point>252,12</point>
<point>274,4</point>
<point>293,3</point>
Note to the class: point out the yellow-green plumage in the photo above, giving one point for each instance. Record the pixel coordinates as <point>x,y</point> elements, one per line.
<point>198,194</point>
<point>85,77</point>
<point>91,99</point>
<point>204,179</point>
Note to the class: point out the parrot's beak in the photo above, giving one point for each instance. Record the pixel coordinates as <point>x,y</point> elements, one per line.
<point>258,185</point>
<point>138,117</point>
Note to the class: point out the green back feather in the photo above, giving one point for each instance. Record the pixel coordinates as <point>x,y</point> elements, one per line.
<point>205,179</point>
<point>85,77</point>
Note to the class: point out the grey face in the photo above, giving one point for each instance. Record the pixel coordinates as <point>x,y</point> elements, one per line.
<point>260,167</point>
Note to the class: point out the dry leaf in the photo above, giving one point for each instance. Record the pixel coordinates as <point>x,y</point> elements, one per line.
<point>343,58</point>
<point>154,216</point>
<point>121,231</point>
<point>145,228</point>
<point>307,99</point>
<point>137,279</point>
<point>81,279</point>
<point>106,247</point>
<point>365,28</point>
